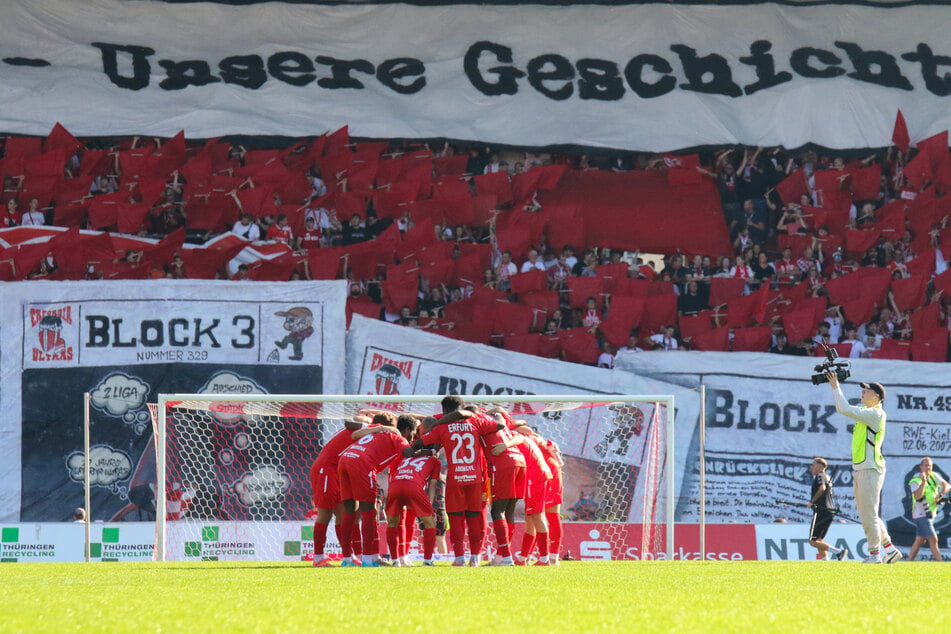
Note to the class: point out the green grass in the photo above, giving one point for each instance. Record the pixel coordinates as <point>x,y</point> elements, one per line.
<point>615,597</point>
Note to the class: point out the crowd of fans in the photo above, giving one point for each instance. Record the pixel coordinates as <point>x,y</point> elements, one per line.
<point>413,230</point>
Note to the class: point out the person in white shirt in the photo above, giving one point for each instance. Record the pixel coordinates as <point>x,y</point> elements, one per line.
<point>533,263</point>
<point>665,340</point>
<point>606,358</point>
<point>33,216</point>
<point>247,228</point>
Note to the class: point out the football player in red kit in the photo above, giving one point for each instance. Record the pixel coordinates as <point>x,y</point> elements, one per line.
<point>553,496</point>
<point>459,432</point>
<point>508,481</point>
<point>325,485</point>
<point>372,451</point>
<point>538,474</point>
<point>412,486</point>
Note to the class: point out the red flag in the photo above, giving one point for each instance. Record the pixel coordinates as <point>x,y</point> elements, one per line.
<point>60,137</point>
<point>866,182</point>
<point>511,318</point>
<point>692,326</point>
<point>800,324</point>
<point>893,349</point>
<point>581,288</point>
<point>47,164</point>
<point>924,264</point>
<point>530,281</point>
<point>926,317</point>
<point>659,311</point>
<point>752,339</point>
<point>494,184</point>
<point>935,148</point>
<point>930,344</point>
<point>196,171</point>
<point>526,344</point>
<point>909,292</point>
<point>918,172</point>
<point>716,340</point>
<point>579,346</point>
<point>859,309</point>
<point>276,270</point>
<point>900,133</point>
<point>450,165</point>
<point>130,216</point>
<point>791,188</point>
<point>361,306</point>
<point>858,241</point>
<point>23,146</point>
<point>723,289</point>
<point>682,170</point>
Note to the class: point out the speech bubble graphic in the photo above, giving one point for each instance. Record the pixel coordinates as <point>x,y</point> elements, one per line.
<point>261,484</point>
<point>230,413</point>
<point>107,466</point>
<point>119,393</point>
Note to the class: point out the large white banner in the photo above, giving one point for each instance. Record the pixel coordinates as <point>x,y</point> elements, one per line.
<point>124,343</point>
<point>766,421</point>
<point>647,77</point>
<point>603,451</point>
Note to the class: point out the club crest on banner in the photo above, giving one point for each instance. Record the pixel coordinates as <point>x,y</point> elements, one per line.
<point>48,327</point>
<point>389,373</point>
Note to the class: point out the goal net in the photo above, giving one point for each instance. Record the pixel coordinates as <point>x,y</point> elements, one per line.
<point>233,472</point>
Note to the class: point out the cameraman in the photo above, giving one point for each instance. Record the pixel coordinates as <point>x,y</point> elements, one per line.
<point>868,464</point>
<point>927,489</point>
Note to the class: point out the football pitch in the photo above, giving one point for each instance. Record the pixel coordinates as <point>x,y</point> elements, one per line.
<point>574,597</point>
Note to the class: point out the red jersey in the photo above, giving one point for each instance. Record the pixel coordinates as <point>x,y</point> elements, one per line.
<point>535,466</point>
<point>461,442</point>
<point>310,239</point>
<point>511,456</point>
<point>376,451</point>
<point>281,234</point>
<point>330,454</point>
<point>415,471</point>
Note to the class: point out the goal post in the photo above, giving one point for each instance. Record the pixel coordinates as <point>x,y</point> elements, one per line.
<point>232,471</point>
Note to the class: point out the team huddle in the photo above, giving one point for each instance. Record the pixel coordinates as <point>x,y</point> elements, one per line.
<point>488,455</point>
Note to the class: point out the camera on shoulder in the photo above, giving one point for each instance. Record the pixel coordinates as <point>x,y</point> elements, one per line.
<point>842,369</point>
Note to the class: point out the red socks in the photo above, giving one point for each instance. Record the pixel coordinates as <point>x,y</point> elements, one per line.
<point>541,540</point>
<point>554,532</point>
<point>320,538</point>
<point>476,526</point>
<point>457,534</point>
<point>528,545</point>
<point>370,532</point>
<point>345,534</point>
<point>429,543</point>
<point>502,536</point>
<point>393,540</point>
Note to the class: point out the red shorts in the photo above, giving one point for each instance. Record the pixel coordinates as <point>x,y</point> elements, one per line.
<point>508,482</point>
<point>535,491</point>
<point>555,490</point>
<point>356,483</point>
<point>411,497</point>
<point>325,483</point>
<point>464,497</point>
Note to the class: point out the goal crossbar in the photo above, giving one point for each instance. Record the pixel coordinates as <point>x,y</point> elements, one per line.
<point>552,401</point>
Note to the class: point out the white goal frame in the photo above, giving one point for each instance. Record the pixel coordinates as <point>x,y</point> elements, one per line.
<point>666,400</point>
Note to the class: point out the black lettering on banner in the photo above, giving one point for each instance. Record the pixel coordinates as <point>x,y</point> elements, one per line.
<point>788,424</point>
<point>823,419</point>
<point>291,68</point>
<point>246,71</point>
<point>209,331</point>
<point>189,72</point>
<point>141,69</point>
<point>551,68</point>
<point>174,338</point>
<point>247,331</point>
<point>875,67</point>
<point>765,66</point>
<point>152,333</point>
<point>340,70</point>
<point>800,60</point>
<point>769,416</point>
<point>634,74</point>
<point>390,72</point>
<point>722,414</point>
<point>599,79</point>
<point>937,83</point>
<point>507,76</point>
<point>709,74</point>
<point>98,333</point>
<point>449,385</point>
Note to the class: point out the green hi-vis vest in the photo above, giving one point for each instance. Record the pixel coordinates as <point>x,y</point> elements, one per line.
<point>862,439</point>
<point>931,490</point>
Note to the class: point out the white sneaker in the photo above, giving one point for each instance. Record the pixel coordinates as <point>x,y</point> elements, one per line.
<point>873,559</point>
<point>893,556</point>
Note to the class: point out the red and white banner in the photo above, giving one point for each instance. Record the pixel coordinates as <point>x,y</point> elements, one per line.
<point>642,77</point>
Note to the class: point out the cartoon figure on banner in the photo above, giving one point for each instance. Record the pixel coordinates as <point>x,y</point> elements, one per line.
<point>299,324</point>
<point>123,396</point>
<point>388,379</point>
<point>628,424</point>
<point>51,340</point>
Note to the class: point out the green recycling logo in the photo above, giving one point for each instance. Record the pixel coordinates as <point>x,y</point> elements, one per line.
<point>210,548</point>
